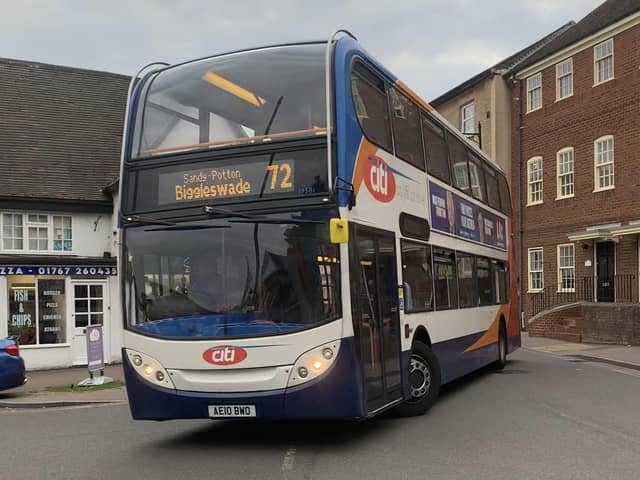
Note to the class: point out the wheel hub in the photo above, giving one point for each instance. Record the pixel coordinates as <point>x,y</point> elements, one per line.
<point>419,377</point>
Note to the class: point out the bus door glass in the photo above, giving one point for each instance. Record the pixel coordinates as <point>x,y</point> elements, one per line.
<point>375,314</point>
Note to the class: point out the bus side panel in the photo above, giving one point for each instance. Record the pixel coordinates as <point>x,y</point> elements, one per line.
<point>456,361</point>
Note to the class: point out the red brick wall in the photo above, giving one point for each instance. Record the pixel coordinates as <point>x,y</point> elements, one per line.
<point>564,323</point>
<point>611,108</point>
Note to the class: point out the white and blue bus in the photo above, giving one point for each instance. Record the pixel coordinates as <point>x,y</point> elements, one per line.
<point>304,237</point>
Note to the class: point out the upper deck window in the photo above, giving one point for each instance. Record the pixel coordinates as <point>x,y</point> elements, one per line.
<point>248,97</point>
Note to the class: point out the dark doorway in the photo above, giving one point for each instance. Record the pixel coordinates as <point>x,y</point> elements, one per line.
<point>375,314</point>
<point>605,271</point>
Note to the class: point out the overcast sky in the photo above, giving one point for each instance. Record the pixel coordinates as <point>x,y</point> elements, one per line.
<point>432,45</point>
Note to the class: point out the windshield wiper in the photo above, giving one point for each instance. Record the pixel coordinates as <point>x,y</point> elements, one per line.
<point>209,209</point>
<point>147,220</point>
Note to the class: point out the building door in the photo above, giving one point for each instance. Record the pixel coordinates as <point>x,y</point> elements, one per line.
<point>605,272</point>
<point>375,314</point>
<point>89,299</point>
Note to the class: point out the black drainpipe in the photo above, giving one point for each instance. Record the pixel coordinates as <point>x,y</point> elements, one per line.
<point>521,207</point>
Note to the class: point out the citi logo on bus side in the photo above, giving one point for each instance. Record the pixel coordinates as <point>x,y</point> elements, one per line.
<point>379,179</point>
<point>224,355</point>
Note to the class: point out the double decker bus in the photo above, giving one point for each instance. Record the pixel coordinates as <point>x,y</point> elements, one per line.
<point>304,237</point>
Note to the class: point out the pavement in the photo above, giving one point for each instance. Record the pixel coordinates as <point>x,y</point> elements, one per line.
<point>545,417</point>
<point>35,394</point>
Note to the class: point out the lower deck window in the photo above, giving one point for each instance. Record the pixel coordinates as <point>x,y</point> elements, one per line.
<point>446,282</point>
<point>417,275</point>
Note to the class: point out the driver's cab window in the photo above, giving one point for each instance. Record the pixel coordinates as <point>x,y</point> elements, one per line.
<point>417,277</point>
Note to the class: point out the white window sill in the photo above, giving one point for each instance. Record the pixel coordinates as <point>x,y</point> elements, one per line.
<point>564,98</point>
<point>602,82</point>
<point>533,110</point>
<point>565,197</point>
<point>566,290</point>
<point>604,189</point>
<point>47,345</point>
<point>533,204</point>
<point>535,291</point>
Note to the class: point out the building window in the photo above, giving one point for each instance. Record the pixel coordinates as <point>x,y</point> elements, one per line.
<point>565,173</point>
<point>566,268</point>
<point>536,269</point>
<point>604,158</point>
<point>36,309</point>
<point>534,92</point>
<point>603,61</point>
<point>467,119</point>
<point>62,234</point>
<point>564,79</point>
<point>38,230</point>
<point>534,181</point>
<point>12,231</point>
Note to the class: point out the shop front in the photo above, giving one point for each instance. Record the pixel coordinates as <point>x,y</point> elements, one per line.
<point>48,308</point>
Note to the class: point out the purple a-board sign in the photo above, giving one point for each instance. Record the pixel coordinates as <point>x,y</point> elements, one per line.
<point>454,215</point>
<point>95,352</point>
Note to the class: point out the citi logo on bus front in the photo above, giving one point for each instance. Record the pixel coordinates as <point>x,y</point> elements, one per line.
<point>224,355</point>
<point>380,180</point>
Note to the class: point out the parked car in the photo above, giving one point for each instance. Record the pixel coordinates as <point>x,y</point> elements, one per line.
<point>12,373</point>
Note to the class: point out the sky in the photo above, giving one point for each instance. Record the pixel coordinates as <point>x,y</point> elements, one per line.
<point>431,45</point>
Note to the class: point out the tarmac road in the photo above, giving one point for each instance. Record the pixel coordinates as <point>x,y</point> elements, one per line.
<point>544,417</point>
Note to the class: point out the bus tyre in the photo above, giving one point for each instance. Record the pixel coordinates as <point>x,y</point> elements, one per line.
<point>424,379</point>
<point>501,362</point>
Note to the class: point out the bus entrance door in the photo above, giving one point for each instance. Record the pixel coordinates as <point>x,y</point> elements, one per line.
<point>375,314</point>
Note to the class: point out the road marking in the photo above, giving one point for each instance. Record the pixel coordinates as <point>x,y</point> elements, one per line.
<point>289,459</point>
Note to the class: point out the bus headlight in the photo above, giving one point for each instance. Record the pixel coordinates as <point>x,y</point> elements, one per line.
<point>149,369</point>
<point>313,363</point>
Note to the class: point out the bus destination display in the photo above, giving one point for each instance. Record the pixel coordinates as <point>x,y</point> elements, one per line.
<point>209,183</point>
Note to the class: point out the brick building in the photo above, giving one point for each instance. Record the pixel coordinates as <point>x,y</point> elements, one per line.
<point>576,168</point>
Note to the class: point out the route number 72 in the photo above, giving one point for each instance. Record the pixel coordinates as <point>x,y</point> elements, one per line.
<point>280,176</point>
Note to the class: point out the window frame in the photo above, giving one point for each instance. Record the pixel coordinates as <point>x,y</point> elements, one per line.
<point>561,289</point>
<point>53,232</point>
<point>529,90</point>
<point>359,63</point>
<point>559,155</point>
<point>597,166</point>
<point>464,119</point>
<point>559,78</point>
<point>530,183</point>
<point>596,80</point>
<point>530,271</point>
<point>30,224</point>
<point>427,247</point>
<point>13,238</point>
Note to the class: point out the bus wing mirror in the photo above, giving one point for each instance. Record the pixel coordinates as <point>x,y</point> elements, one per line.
<point>339,230</point>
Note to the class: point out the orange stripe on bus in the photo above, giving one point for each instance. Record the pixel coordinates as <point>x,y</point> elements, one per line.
<point>413,95</point>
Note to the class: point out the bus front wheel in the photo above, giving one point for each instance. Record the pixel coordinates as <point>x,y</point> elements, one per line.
<point>424,379</point>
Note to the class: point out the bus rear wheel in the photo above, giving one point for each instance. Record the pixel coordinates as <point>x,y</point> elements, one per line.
<point>424,379</point>
<point>501,362</point>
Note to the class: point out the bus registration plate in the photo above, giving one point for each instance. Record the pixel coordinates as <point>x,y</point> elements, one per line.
<point>232,411</point>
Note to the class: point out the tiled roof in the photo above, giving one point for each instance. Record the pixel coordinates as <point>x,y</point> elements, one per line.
<point>503,67</point>
<point>606,14</point>
<point>60,131</point>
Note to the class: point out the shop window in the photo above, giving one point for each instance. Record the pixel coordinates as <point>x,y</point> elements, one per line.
<point>36,310</point>
<point>437,150</point>
<point>372,109</point>
<point>62,234</point>
<point>406,129</point>
<point>467,283</point>
<point>446,282</point>
<point>417,277</point>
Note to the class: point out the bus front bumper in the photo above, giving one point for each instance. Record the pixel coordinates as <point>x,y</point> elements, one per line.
<point>336,394</point>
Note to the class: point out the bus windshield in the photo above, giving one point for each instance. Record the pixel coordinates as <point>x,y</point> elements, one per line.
<point>237,277</point>
<point>249,97</point>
